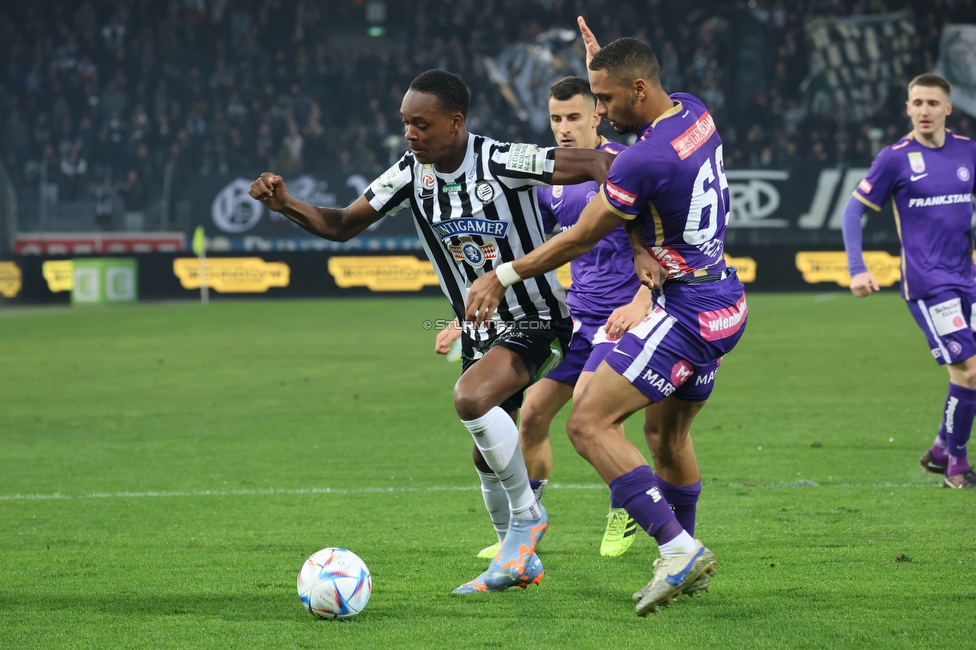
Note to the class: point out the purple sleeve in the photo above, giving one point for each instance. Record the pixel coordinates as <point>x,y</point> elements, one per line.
<point>851,224</point>
<point>635,175</point>
<point>878,185</point>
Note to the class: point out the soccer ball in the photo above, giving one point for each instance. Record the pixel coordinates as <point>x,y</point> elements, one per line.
<point>334,583</point>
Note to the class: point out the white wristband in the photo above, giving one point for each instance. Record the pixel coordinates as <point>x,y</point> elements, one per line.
<point>506,274</point>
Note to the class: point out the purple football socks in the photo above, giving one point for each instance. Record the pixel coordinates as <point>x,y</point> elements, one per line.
<point>683,500</point>
<point>960,407</point>
<point>638,492</point>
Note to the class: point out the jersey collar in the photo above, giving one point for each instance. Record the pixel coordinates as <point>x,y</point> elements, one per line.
<point>646,131</point>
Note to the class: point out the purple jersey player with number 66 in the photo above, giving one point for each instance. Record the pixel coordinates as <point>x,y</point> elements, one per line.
<point>670,193</point>
<point>928,175</point>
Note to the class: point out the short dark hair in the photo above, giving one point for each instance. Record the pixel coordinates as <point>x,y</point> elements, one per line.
<point>448,88</point>
<point>627,59</point>
<point>930,80</point>
<point>568,87</point>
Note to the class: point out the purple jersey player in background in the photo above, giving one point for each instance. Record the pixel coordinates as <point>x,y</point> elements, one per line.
<point>604,287</point>
<point>928,175</point>
<point>670,188</point>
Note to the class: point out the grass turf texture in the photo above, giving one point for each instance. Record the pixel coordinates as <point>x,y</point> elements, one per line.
<point>171,462</point>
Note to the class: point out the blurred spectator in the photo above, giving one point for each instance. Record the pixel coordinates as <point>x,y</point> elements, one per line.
<point>104,194</point>
<point>134,200</point>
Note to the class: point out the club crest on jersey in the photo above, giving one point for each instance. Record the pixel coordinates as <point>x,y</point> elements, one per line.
<point>916,161</point>
<point>427,181</point>
<point>557,191</point>
<point>484,192</point>
<point>963,174</point>
<point>474,254</point>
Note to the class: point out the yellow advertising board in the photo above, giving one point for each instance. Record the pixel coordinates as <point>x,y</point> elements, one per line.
<point>233,274</point>
<point>831,266</point>
<point>59,274</point>
<point>393,273</point>
<point>11,279</point>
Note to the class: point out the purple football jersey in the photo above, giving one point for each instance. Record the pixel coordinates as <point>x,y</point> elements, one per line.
<point>603,278</point>
<point>673,178</point>
<point>932,195</point>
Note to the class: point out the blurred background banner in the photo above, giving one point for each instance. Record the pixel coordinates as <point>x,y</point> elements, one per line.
<point>861,58</point>
<point>957,63</point>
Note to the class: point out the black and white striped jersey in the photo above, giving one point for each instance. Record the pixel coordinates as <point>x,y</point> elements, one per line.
<point>477,217</point>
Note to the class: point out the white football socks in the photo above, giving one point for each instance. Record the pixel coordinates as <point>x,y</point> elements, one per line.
<point>497,438</point>
<point>683,544</point>
<point>496,502</point>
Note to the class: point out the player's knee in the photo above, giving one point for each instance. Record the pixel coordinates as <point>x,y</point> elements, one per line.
<point>581,429</point>
<point>533,425</point>
<point>470,404</point>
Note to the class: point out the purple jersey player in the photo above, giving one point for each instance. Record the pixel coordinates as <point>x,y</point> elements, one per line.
<point>670,190</point>
<point>928,175</point>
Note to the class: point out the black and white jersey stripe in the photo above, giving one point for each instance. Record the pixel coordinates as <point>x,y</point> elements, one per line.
<point>476,217</point>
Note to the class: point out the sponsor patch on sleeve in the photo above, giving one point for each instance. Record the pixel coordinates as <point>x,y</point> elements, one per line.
<point>526,158</point>
<point>865,186</point>
<point>619,195</point>
<point>388,181</point>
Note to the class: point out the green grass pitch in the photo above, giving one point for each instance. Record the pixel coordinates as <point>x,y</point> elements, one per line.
<point>166,469</point>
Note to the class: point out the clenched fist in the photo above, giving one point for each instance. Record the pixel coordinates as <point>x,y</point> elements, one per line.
<point>270,189</point>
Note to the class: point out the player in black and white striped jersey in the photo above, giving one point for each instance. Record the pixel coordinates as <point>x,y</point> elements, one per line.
<point>475,208</point>
<point>477,216</point>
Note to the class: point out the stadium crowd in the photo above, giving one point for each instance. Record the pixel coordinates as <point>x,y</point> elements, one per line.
<point>99,98</point>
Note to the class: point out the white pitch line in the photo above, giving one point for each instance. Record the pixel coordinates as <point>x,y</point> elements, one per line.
<point>57,496</point>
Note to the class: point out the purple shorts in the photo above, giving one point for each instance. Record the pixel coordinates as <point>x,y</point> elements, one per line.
<point>677,349</point>
<point>587,349</point>
<point>948,320</point>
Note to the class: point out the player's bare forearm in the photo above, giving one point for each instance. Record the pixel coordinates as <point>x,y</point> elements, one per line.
<point>578,165</point>
<point>329,223</point>
<point>595,223</point>
<point>334,224</point>
<point>635,233</point>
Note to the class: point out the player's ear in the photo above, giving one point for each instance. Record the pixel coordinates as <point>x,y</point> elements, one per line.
<point>949,108</point>
<point>457,121</point>
<point>639,89</point>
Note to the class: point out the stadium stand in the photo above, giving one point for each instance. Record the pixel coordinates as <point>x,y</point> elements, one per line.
<point>105,107</point>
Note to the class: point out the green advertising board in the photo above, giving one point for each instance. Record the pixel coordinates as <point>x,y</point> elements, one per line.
<point>101,280</point>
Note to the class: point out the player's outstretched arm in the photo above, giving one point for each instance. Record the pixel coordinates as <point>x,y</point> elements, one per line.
<point>594,223</point>
<point>589,41</point>
<point>578,165</point>
<point>335,224</point>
